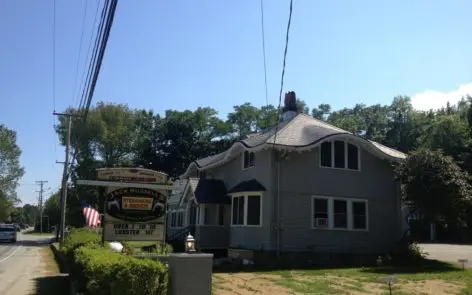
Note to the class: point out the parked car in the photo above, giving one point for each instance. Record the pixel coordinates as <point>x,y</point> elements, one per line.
<point>8,233</point>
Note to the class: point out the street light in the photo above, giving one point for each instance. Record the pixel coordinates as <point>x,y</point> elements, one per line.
<point>190,244</point>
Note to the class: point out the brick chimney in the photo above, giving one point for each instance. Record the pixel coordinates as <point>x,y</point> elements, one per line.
<point>290,106</point>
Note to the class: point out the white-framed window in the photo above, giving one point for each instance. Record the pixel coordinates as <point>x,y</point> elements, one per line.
<point>246,209</point>
<point>249,160</point>
<point>177,218</point>
<point>220,215</point>
<point>340,154</point>
<point>339,213</point>
<point>173,218</point>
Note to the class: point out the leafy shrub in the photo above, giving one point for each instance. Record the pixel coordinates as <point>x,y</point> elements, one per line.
<point>78,238</point>
<point>106,272</point>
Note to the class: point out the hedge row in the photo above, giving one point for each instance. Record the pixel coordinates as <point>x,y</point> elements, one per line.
<point>98,270</point>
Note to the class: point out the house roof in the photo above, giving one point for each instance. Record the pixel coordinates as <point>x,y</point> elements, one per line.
<point>211,191</point>
<point>301,132</point>
<point>247,186</point>
<point>177,191</point>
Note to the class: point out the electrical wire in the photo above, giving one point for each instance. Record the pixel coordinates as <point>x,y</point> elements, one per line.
<point>82,82</point>
<point>80,51</point>
<point>264,52</point>
<point>283,70</point>
<point>95,65</point>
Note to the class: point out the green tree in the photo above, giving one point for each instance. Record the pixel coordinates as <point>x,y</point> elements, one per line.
<point>433,183</point>
<point>10,170</point>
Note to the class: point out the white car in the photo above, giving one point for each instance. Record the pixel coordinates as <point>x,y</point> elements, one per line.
<point>8,233</point>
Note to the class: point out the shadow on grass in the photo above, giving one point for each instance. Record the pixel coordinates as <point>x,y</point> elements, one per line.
<point>422,266</point>
<point>419,266</point>
<point>53,285</point>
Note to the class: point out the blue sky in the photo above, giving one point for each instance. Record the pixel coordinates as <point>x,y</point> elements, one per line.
<point>184,54</point>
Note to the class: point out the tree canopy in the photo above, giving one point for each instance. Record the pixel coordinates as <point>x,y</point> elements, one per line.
<point>117,135</point>
<point>10,171</point>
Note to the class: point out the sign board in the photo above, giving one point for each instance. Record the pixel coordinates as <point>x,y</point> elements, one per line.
<point>134,231</point>
<point>131,213</point>
<point>140,175</point>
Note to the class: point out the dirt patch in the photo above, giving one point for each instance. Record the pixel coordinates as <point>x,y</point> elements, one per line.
<point>436,287</point>
<point>265,284</point>
<point>248,283</point>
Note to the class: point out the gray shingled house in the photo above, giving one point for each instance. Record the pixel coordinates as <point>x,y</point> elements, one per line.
<point>318,188</point>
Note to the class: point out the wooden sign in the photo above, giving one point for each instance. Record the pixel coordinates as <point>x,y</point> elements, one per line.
<point>139,175</point>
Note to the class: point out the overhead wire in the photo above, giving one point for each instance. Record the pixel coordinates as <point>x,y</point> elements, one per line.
<point>80,51</point>
<point>278,124</point>
<point>287,34</point>
<point>264,52</point>
<point>101,42</point>
<point>89,48</point>
<point>54,75</point>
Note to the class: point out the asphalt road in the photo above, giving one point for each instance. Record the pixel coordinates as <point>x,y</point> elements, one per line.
<point>21,263</point>
<point>449,252</point>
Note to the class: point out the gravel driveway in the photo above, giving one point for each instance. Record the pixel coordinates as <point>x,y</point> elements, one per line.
<point>449,252</point>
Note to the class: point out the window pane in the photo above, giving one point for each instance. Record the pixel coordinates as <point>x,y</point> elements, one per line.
<point>221,217</point>
<point>325,157</point>
<point>340,213</point>
<point>241,210</point>
<point>252,159</point>
<point>352,157</point>
<point>253,210</point>
<point>235,210</point>
<point>359,215</point>
<point>320,209</point>
<point>339,161</point>
<point>246,159</point>
<point>206,215</point>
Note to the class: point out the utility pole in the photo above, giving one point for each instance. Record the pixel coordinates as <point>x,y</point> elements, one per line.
<point>65,176</point>
<point>40,203</point>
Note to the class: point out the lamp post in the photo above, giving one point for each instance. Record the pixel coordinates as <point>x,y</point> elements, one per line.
<point>190,244</point>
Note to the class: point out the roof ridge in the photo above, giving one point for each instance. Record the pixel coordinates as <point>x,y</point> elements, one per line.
<point>325,123</point>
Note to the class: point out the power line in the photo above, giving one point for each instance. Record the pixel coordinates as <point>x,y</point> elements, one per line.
<point>54,73</point>
<point>80,50</point>
<point>264,52</point>
<point>278,123</point>
<point>54,56</point>
<point>82,82</point>
<point>96,62</point>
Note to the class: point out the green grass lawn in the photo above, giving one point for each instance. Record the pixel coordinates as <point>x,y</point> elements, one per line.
<point>430,278</point>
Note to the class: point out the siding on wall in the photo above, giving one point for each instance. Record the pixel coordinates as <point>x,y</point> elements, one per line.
<point>231,173</point>
<point>374,183</point>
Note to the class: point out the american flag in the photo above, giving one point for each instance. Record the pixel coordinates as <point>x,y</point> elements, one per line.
<point>92,217</point>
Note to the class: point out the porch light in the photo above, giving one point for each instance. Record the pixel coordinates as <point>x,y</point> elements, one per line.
<point>189,244</point>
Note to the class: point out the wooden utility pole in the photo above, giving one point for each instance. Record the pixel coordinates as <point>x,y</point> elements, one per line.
<point>65,177</point>
<point>40,203</point>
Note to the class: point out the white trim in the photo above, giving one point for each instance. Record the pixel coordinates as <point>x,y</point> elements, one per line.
<point>346,160</point>
<point>182,197</point>
<point>245,195</point>
<point>177,212</point>
<point>350,215</point>
<point>238,146</point>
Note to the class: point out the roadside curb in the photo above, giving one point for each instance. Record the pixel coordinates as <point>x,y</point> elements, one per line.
<point>63,265</point>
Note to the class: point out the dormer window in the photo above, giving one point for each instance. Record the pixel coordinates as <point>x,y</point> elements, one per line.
<point>339,154</point>
<point>249,160</point>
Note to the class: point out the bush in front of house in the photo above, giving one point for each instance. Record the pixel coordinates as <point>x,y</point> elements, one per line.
<point>107,272</point>
<point>77,238</point>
